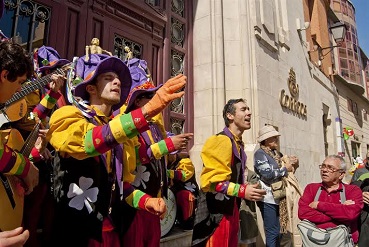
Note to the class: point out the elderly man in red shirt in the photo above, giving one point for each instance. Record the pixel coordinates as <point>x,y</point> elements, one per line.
<point>328,211</point>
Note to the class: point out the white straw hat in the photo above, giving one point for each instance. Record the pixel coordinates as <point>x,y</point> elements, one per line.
<point>266,132</point>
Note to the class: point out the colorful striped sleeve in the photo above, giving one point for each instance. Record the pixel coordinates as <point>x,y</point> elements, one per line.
<point>100,139</point>
<point>135,198</point>
<point>161,148</point>
<point>13,163</point>
<point>177,175</point>
<point>229,188</point>
<point>46,104</point>
<point>185,170</point>
<point>35,155</point>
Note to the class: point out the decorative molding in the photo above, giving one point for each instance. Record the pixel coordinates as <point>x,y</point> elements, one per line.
<point>119,12</point>
<point>78,3</point>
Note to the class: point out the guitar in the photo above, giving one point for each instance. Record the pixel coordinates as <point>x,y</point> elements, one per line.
<point>11,187</point>
<point>16,107</point>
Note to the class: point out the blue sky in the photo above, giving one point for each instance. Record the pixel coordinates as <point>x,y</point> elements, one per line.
<point>362,18</point>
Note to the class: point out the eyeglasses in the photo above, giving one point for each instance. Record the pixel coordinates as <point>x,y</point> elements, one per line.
<point>329,168</point>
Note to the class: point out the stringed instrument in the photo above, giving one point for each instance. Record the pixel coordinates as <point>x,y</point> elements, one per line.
<point>11,187</point>
<point>16,107</point>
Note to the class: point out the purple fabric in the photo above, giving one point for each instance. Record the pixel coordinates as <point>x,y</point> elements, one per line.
<point>98,64</point>
<point>51,55</point>
<point>242,156</point>
<point>139,73</point>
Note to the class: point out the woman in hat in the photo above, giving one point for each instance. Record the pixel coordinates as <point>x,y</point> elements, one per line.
<point>271,166</point>
<point>146,172</point>
<point>89,142</point>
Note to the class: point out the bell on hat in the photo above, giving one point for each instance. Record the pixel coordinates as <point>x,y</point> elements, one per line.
<point>141,81</point>
<point>87,71</point>
<point>266,132</point>
<point>49,58</point>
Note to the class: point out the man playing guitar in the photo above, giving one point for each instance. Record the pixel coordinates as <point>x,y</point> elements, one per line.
<point>39,206</point>
<point>16,67</point>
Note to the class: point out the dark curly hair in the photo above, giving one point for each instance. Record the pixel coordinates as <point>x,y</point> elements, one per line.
<point>15,59</point>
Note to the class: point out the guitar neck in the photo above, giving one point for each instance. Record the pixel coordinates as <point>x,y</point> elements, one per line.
<point>30,141</point>
<point>33,86</point>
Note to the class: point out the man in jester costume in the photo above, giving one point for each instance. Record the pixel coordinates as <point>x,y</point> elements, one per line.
<point>89,144</point>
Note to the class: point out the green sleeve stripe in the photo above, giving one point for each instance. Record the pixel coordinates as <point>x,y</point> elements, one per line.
<point>89,145</point>
<point>22,164</point>
<point>163,147</point>
<point>138,194</point>
<point>128,125</point>
<point>235,190</point>
<point>50,99</point>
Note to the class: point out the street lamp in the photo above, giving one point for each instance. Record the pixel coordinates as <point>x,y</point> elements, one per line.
<point>338,30</point>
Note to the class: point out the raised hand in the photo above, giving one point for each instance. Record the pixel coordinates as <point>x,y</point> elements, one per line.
<point>165,95</point>
<point>180,141</point>
<point>57,82</point>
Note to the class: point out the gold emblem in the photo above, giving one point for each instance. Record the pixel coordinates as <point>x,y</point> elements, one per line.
<point>292,85</point>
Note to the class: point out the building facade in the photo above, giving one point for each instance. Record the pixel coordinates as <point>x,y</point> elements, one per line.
<point>351,80</point>
<point>272,53</point>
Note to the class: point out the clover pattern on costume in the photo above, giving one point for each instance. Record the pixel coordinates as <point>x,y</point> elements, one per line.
<point>82,194</point>
<point>190,186</point>
<point>221,196</point>
<point>142,177</point>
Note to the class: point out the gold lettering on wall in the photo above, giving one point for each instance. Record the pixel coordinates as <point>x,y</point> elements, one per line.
<point>291,102</point>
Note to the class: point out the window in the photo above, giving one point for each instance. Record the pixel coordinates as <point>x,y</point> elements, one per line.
<point>354,108</point>
<point>125,48</point>
<point>365,115</point>
<point>349,105</point>
<point>355,147</point>
<point>26,23</point>
<point>154,3</point>
<point>344,73</point>
<point>343,63</point>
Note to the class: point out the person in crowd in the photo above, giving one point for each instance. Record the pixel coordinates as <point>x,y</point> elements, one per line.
<point>249,229</point>
<point>361,171</point>
<point>361,179</point>
<point>328,211</point>
<point>272,166</point>
<point>222,182</point>
<point>293,194</point>
<point>357,164</point>
<point>42,97</point>
<point>181,173</point>
<point>88,142</point>
<point>145,175</point>
<point>16,67</point>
